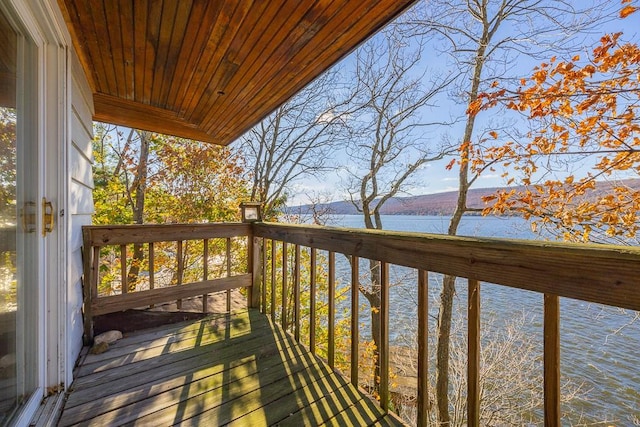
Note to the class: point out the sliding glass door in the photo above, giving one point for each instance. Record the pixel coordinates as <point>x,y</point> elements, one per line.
<point>19,267</point>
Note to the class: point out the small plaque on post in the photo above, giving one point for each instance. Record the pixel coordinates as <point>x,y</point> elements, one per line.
<point>250,211</point>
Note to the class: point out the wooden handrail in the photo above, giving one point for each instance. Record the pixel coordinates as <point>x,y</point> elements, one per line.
<point>603,274</point>
<point>595,273</point>
<point>97,237</point>
<point>104,235</point>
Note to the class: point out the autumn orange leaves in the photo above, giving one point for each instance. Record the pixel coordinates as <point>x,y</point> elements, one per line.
<point>578,110</point>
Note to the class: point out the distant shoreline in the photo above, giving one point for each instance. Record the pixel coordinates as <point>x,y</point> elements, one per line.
<point>437,204</point>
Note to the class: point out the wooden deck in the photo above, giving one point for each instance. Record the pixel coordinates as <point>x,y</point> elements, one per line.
<point>236,369</point>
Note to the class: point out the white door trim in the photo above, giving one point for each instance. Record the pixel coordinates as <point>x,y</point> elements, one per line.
<point>44,25</point>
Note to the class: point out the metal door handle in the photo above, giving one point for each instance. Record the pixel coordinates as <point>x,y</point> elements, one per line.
<point>48,217</point>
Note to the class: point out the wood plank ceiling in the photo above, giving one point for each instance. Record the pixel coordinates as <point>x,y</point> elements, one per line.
<point>209,70</point>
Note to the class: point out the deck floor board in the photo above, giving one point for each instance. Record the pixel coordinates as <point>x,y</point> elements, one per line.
<point>236,369</point>
<point>179,347</point>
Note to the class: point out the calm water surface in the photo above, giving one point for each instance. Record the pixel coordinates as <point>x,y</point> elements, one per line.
<point>600,351</point>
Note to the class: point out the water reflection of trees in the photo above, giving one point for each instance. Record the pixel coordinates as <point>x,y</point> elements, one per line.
<point>7,208</point>
<point>7,165</point>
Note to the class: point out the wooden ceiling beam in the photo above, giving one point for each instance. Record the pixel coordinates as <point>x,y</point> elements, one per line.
<point>110,109</point>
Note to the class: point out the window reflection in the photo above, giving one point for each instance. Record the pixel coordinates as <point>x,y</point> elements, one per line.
<point>9,398</point>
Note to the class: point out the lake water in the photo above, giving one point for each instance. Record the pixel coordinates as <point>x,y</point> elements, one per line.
<point>600,351</point>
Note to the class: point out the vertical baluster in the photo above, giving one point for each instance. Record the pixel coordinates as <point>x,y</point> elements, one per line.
<point>273,280</point>
<point>384,336</point>
<point>284,285</point>
<point>312,302</point>
<point>228,259</point>
<point>355,336</point>
<point>253,264</point>
<point>473,349</point>
<point>423,348</point>
<point>152,281</point>
<point>92,275</point>
<point>332,309</point>
<point>263,285</point>
<point>124,287</point>
<point>205,273</point>
<point>179,273</point>
<point>95,276</point>
<point>551,360</point>
<point>296,294</point>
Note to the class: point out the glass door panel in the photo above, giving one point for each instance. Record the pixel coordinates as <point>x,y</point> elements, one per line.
<point>19,290</point>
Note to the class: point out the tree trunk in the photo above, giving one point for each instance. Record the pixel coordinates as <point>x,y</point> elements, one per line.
<point>442,348</point>
<point>449,282</point>
<point>444,323</point>
<point>139,185</point>
<point>373,297</point>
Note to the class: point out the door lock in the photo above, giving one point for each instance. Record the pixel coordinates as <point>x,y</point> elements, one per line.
<point>48,217</point>
<point>28,217</point>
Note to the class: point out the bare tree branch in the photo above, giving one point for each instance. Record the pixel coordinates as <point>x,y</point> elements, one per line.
<point>294,141</point>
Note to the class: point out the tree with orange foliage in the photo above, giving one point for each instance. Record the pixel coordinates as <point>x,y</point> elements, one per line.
<point>583,113</point>
<point>482,39</point>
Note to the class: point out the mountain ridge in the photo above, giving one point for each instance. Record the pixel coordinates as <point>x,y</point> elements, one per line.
<point>431,204</point>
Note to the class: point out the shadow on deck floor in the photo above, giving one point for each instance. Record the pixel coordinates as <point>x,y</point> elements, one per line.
<point>236,369</point>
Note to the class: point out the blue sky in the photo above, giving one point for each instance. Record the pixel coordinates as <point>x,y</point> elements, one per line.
<point>434,177</point>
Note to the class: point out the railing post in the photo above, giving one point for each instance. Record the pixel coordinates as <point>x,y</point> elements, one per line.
<point>296,294</point>
<point>274,253</point>
<point>255,269</point>
<point>285,268</point>
<point>124,283</point>
<point>551,360</point>
<point>90,282</point>
<point>384,336</point>
<point>228,259</point>
<point>205,272</point>
<point>331,353</point>
<point>473,352</point>
<point>152,279</point>
<point>355,336</point>
<point>179,254</point>
<point>263,282</point>
<point>312,302</point>
<point>423,349</point>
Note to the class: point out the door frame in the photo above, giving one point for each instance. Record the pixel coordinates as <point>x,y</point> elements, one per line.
<point>44,25</point>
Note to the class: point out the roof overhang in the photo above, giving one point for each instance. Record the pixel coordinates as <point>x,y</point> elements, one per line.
<point>210,70</point>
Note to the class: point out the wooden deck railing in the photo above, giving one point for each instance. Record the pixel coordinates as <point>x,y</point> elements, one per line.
<point>128,293</point>
<point>600,274</point>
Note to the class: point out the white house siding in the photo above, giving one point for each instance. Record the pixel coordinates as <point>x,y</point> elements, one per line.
<point>80,202</point>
